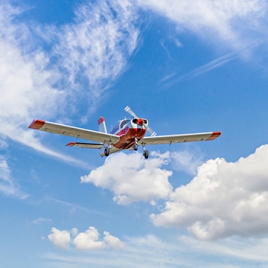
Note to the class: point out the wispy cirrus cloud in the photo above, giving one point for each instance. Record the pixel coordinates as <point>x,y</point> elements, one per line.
<point>232,24</point>
<point>82,60</point>
<point>214,64</point>
<point>178,251</point>
<point>8,185</point>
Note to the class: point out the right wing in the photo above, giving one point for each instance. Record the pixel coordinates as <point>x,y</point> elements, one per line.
<point>168,139</point>
<point>74,131</point>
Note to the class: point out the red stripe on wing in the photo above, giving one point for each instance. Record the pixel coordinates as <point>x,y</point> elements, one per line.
<point>37,124</point>
<point>214,136</point>
<point>71,144</point>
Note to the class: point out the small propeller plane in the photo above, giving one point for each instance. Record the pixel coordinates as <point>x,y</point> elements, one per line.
<point>127,134</point>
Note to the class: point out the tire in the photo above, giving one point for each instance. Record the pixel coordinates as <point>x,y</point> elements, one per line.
<point>146,154</point>
<point>106,151</point>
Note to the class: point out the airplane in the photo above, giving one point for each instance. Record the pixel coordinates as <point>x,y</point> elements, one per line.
<point>127,134</point>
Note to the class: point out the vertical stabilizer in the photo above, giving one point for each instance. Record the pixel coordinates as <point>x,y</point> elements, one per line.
<point>102,125</point>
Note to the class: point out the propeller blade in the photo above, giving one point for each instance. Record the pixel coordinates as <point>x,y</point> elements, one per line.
<point>128,110</point>
<point>153,133</point>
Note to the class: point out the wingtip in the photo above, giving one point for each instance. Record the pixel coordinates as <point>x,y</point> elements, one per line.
<point>214,135</point>
<point>37,124</point>
<point>70,144</point>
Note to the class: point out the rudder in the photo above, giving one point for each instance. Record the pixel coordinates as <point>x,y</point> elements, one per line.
<point>102,125</point>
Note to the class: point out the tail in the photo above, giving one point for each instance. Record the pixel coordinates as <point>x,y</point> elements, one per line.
<point>102,125</point>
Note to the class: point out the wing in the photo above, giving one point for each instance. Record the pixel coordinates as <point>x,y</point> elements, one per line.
<point>180,138</point>
<point>85,145</point>
<point>74,131</point>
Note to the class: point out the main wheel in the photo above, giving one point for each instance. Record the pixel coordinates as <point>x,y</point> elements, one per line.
<point>106,151</point>
<point>146,154</point>
<point>135,147</point>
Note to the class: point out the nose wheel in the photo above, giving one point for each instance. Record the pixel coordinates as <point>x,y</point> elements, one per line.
<point>135,145</point>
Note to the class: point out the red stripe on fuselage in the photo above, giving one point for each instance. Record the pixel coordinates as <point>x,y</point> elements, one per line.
<point>127,136</point>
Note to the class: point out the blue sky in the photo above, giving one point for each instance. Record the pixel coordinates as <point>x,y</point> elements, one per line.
<point>186,67</point>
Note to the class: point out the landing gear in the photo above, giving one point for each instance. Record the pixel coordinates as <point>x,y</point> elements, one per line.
<point>135,145</point>
<point>107,151</point>
<point>145,153</point>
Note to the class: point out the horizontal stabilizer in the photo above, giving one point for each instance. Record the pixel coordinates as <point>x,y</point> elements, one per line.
<point>85,145</point>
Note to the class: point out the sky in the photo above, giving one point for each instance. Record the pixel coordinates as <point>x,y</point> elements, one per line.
<point>186,66</point>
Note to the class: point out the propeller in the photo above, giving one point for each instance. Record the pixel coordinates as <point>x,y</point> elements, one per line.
<point>128,110</point>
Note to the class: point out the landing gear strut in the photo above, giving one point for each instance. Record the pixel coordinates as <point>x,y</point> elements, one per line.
<point>135,145</point>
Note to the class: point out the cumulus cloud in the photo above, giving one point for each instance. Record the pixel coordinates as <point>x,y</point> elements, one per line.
<point>234,23</point>
<point>88,240</point>
<point>60,238</point>
<point>112,241</point>
<point>131,178</point>
<point>224,199</point>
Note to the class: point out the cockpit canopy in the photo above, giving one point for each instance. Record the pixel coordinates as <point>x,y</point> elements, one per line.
<point>120,125</point>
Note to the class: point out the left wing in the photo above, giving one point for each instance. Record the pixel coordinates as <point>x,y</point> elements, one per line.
<point>74,131</point>
<point>168,139</point>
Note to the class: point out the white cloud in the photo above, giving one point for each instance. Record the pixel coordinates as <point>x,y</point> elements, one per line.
<point>224,199</point>
<point>132,178</point>
<point>41,220</point>
<point>3,144</point>
<point>82,58</point>
<point>95,48</point>
<point>175,251</point>
<point>112,241</point>
<point>234,23</point>
<point>60,238</point>
<point>216,63</point>
<point>187,161</point>
<point>88,240</point>
<point>7,183</point>
<point>25,83</point>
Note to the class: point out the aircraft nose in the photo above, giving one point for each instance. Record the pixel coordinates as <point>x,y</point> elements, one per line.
<point>140,122</point>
